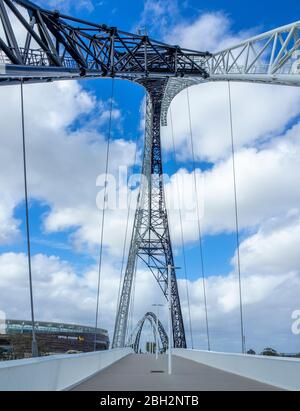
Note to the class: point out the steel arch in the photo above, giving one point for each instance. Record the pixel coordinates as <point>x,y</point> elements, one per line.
<point>134,339</point>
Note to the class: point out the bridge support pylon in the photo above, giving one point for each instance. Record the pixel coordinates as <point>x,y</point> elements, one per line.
<point>150,240</point>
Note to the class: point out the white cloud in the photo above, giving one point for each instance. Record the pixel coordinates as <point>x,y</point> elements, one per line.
<point>259,112</point>
<point>62,293</point>
<point>59,292</point>
<point>210,31</point>
<point>63,161</point>
<point>270,278</point>
<point>266,188</point>
<point>157,16</point>
<point>272,250</point>
<point>268,302</point>
<point>9,225</point>
<point>67,5</point>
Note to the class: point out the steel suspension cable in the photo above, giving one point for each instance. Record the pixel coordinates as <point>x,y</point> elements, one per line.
<point>104,209</point>
<point>181,230</point>
<point>236,218</point>
<point>129,328</point>
<point>126,234</point>
<point>133,298</point>
<point>198,221</point>
<point>34,347</point>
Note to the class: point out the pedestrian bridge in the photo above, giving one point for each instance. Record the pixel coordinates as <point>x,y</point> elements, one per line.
<point>122,370</point>
<point>53,47</point>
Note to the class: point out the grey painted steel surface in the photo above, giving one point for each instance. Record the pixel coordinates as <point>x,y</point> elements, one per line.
<point>55,45</point>
<point>133,373</point>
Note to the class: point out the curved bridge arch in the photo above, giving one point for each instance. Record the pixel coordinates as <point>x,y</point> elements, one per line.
<point>134,340</point>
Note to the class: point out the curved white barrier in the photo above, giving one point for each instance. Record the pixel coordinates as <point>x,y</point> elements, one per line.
<point>277,371</point>
<point>56,372</point>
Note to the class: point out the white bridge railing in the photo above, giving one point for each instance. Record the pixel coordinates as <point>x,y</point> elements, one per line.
<point>277,371</point>
<point>56,372</point>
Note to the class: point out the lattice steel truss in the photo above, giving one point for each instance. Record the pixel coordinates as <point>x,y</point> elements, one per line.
<point>51,45</point>
<point>134,339</point>
<point>272,57</point>
<point>269,58</point>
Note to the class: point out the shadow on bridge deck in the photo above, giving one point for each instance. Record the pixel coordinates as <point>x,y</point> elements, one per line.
<point>135,373</point>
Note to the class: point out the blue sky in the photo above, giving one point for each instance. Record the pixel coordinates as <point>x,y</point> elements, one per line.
<point>64,242</point>
<point>218,249</point>
<point>266,14</point>
<point>127,16</point>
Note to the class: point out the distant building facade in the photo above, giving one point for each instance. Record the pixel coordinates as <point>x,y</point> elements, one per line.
<point>53,338</point>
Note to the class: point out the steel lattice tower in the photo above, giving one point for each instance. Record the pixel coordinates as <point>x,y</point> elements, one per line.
<point>151,236</point>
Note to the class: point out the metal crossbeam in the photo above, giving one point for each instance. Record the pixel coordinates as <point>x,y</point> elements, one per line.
<point>54,45</point>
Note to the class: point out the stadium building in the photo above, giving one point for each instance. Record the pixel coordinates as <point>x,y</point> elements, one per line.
<point>52,338</point>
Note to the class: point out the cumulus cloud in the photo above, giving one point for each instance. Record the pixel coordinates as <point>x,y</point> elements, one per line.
<point>260,112</point>
<point>62,293</point>
<point>157,16</point>
<point>210,31</point>
<point>63,161</point>
<point>67,5</point>
<point>272,250</point>
<point>270,280</point>
<point>9,225</point>
<point>266,188</point>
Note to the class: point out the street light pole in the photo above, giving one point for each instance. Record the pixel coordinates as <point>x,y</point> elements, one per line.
<point>170,320</point>
<point>156,336</point>
<point>156,331</point>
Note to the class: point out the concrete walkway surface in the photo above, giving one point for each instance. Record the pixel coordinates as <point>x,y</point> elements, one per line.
<point>145,373</point>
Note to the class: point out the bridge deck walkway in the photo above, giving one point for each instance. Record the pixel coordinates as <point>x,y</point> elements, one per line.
<point>135,373</point>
